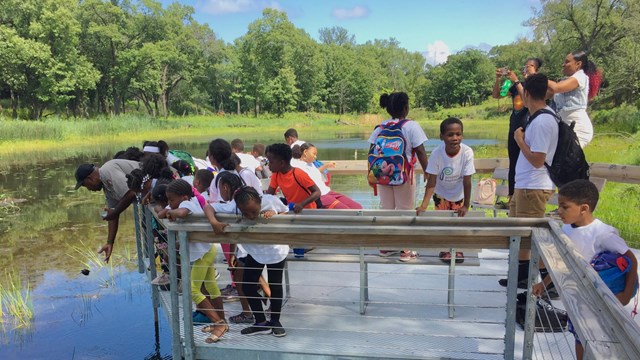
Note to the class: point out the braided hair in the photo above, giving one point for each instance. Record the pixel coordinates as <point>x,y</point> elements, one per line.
<point>180,187</point>
<point>245,194</point>
<point>136,180</point>
<point>159,194</point>
<point>230,179</point>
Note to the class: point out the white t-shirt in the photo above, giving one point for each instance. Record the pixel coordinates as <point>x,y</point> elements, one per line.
<point>229,207</point>
<point>313,173</point>
<point>451,171</point>
<point>188,178</point>
<point>196,249</point>
<point>264,254</point>
<point>412,133</point>
<point>298,142</point>
<point>576,98</point>
<point>249,178</point>
<point>542,136</point>
<point>248,161</point>
<point>594,238</point>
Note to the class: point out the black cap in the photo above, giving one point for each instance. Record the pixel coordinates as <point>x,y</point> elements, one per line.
<point>82,173</point>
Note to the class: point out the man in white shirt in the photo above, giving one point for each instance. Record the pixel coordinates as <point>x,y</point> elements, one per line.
<point>246,160</point>
<point>537,142</point>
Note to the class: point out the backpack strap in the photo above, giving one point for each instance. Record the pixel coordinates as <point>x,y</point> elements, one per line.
<point>541,111</point>
<point>318,201</point>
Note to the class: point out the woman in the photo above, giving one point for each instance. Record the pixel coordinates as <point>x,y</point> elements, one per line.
<point>519,112</point>
<point>303,158</point>
<point>572,94</point>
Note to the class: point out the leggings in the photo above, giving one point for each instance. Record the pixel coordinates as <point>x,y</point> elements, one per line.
<point>202,271</point>
<point>252,272</point>
<point>334,200</point>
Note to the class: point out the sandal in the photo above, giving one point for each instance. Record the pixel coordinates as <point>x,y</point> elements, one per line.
<point>445,256</point>
<point>213,338</point>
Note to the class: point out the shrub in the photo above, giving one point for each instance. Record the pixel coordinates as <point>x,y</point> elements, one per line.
<point>625,118</point>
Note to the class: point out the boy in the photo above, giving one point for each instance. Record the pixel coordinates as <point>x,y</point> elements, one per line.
<point>246,160</point>
<point>449,173</point>
<point>577,200</point>
<point>258,154</point>
<point>202,181</point>
<point>291,137</point>
<point>297,187</point>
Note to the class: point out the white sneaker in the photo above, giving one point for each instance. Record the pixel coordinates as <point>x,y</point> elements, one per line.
<point>406,256</point>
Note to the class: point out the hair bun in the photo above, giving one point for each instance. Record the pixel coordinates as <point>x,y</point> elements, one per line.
<point>384,100</point>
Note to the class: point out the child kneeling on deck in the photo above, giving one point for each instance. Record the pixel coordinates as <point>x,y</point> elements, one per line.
<point>204,289</point>
<point>449,169</point>
<point>252,206</point>
<point>577,200</point>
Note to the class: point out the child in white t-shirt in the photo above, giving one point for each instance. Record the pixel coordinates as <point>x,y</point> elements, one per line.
<point>252,206</point>
<point>577,200</point>
<point>204,289</point>
<point>449,176</point>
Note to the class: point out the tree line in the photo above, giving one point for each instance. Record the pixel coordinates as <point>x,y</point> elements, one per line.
<point>91,57</point>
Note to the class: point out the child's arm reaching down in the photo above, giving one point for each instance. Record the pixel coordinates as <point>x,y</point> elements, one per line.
<point>210,213</point>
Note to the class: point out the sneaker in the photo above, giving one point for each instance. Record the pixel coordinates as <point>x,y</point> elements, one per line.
<point>229,294</point>
<point>276,329</point>
<point>522,284</point>
<point>408,256</point>
<point>227,290</point>
<point>200,318</point>
<point>242,319</point>
<point>257,329</point>
<point>162,279</point>
<point>387,253</point>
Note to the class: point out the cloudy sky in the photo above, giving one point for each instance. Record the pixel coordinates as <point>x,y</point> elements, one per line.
<point>435,28</point>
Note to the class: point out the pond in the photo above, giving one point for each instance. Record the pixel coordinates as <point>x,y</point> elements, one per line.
<point>51,237</point>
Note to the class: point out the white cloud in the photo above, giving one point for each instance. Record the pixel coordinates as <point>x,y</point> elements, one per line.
<point>218,7</point>
<point>437,52</point>
<point>355,12</point>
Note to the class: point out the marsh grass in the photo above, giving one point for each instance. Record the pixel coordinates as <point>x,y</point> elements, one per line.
<point>16,305</point>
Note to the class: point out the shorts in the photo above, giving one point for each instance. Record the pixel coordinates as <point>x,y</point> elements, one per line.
<point>443,204</point>
<point>529,203</point>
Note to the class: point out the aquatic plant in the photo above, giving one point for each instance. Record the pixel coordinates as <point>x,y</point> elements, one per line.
<point>16,301</point>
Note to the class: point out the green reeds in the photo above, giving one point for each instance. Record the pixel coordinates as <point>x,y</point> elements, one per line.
<point>15,302</point>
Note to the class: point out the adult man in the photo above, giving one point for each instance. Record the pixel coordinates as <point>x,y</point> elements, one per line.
<point>537,142</point>
<point>112,179</point>
<point>291,137</point>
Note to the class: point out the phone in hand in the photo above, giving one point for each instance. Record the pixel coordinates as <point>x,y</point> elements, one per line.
<point>504,71</point>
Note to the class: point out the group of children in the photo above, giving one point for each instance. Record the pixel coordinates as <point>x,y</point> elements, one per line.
<point>235,187</point>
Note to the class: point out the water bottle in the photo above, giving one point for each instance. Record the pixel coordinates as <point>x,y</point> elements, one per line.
<point>504,90</point>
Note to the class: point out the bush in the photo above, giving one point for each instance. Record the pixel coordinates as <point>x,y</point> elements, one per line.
<point>625,118</point>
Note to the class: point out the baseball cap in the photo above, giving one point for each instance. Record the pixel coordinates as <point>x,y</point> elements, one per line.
<point>82,173</point>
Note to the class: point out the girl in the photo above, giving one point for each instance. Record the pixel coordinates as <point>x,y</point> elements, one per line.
<point>519,113</point>
<point>252,206</point>
<point>449,170</point>
<point>572,94</point>
<point>228,184</point>
<point>303,158</point>
<point>204,289</point>
<point>222,158</point>
<point>401,197</point>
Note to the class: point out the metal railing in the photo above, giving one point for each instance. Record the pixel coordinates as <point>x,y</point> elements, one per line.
<point>599,319</point>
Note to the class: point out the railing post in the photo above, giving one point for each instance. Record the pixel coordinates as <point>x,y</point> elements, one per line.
<point>150,254</point>
<point>175,301</point>
<point>185,266</point>
<point>512,288</point>
<point>136,221</point>
<point>530,320</point>
<point>452,283</point>
<point>364,283</point>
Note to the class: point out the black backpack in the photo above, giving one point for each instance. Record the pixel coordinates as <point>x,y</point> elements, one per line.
<point>569,162</point>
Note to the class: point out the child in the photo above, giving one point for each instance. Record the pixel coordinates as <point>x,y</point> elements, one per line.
<point>252,205</point>
<point>449,176</point>
<point>577,200</point>
<point>184,170</point>
<point>258,153</point>
<point>228,184</point>
<point>401,197</point>
<point>247,161</point>
<point>296,186</point>
<point>204,289</point>
<point>202,181</point>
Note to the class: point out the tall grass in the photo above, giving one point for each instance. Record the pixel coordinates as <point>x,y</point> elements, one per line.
<point>16,304</point>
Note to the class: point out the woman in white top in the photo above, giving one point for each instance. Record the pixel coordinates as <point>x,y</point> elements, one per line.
<point>303,157</point>
<point>572,94</point>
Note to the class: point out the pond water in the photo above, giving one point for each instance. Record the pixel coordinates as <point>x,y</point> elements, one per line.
<point>54,234</point>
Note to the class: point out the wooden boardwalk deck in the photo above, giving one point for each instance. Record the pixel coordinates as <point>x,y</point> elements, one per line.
<point>406,318</point>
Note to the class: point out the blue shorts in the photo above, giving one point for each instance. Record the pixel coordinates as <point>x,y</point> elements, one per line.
<point>572,330</point>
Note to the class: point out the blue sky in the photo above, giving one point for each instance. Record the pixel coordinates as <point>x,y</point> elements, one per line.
<point>433,27</point>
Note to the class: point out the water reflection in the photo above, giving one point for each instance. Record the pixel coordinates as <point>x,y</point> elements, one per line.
<point>108,314</point>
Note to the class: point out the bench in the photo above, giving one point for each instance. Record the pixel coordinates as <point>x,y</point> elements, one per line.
<point>366,256</point>
<point>501,175</point>
<point>597,181</point>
